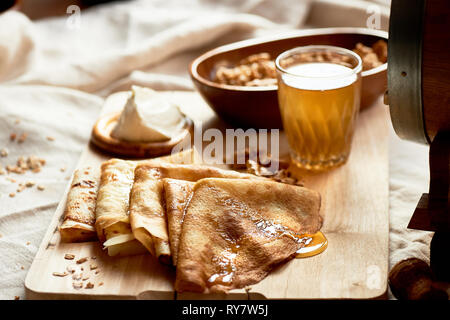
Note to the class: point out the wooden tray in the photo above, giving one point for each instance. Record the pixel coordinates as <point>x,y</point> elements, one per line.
<point>354,205</point>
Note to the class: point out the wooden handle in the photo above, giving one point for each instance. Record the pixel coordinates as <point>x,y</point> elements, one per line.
<point>412,279</point>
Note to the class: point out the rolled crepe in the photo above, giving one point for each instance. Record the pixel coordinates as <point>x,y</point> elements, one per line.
<point>147,212</point>
<point>112,217</point>
<point>236,231</point>
<point>79,214</point>
<point>147,202</point>
<point>177,195</point>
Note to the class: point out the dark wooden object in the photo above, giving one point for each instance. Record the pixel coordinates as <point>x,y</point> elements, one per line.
<point>419,97</point>
<point>8,5</point>
<point>412,279</point>
<point>432,212</point>
<point>436,67</point>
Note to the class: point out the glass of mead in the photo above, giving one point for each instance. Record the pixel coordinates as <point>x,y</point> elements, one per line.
<point>319,92</point>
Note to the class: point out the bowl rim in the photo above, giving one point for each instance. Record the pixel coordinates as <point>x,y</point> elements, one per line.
<point>193,66</point>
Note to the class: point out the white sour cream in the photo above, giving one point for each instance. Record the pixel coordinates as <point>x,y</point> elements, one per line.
<point>148,117</point>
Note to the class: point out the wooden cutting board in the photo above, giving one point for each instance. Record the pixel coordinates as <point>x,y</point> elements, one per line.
<point>356,223</point>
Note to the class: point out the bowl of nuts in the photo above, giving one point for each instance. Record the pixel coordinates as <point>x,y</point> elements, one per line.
<point>239,83</point>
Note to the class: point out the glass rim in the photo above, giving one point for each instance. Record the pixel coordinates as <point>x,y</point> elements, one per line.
<point>355,70</point>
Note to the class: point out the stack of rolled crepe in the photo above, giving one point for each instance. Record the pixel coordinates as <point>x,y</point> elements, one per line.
<point>221,228</point>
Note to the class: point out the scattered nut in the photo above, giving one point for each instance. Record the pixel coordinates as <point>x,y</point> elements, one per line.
<point>60,274</point>
<point>82,260</point>
<point>77,285</point>
<point>70,269</point>
<point>89,285</point>
<point>69,256</point>
<point>21,187</point>
<point>14,169</point>
<point>76,276</point>
<point>22,137</point>
<point>29,184</point>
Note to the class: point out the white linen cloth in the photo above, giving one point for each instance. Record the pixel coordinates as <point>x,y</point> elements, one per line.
<point>54,74</point>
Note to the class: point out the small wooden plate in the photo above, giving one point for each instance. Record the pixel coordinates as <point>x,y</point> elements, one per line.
<point>101,137</point>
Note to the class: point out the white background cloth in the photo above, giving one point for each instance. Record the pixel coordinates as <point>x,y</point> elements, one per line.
<point>53,78</point>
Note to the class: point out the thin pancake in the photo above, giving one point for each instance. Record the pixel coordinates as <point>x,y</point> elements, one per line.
<point>235,231</point>
<point>112,219</point>
<point>147,212</point>
<point>79,215</point>
<point>147,207</point>
<point>177,194</point>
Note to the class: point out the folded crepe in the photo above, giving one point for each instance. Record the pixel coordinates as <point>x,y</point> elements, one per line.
<point>147,201</point>
<point>236,231</point>
<point>112,217</point>
<point>177,195</point>
<point>79,214</point>
<point>147,212</point>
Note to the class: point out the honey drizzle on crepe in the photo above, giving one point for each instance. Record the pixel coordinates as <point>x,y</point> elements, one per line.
<point>270,229</point>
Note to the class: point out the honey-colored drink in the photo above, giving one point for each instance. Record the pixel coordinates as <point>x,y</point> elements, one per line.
<point>319,104</point>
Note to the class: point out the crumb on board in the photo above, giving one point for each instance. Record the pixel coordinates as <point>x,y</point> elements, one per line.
<point>97,271</point>
<point>77,285</point>
<point>50,138</point>
<point>93,257</point>
<point>69,256</point>
<point>22,268</point>
<point>4,152</point>
<point>40,187</point>
<point>82,260</point>
<point>12,136</point>
<point>84,277</point>
<point>100,284</point>
<point>77,276</point>
<point>70,269</point>
<point>59,274</point>
<point>89,285</point>
<point>17,121</point>
<point>16,298</point>
<point>12,195</point>
<point>93,266</point>
<point>28,243</point>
